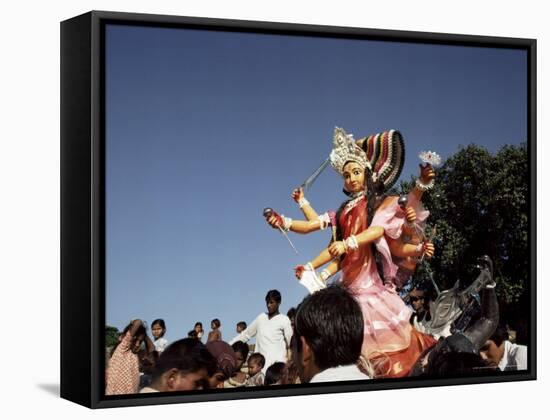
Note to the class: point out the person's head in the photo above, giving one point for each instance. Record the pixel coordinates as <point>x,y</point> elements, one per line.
<point>184,365</point>
<point>148,361</point>
<point>454,355</point>
<point>198,327</point>
<point>241,326</point>
<point>493,349</point>
<point>137,339</point>
<point>256,363</point>
<point>418,299</point>
<point>354,177</point>
<point>291,313</point>
<point>273,301</point>
<point>215,324</point>
<point>276,374</point>
<point>226,362</point>
<point>241,353</point>
<point>328,331</point>
<point>192,334</point>
<point>158,328</point>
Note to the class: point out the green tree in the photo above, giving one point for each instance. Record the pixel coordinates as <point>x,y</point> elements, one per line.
<point>111,336</point>
<point>479,205</point>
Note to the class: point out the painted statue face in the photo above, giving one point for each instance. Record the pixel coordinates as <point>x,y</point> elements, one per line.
<point>354,177</point>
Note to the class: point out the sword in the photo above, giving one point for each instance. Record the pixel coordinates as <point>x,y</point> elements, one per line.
<point>308,182</point>
<point>268,212</point>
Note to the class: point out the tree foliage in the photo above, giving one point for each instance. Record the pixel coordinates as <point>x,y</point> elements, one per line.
<point>480,205</point>
<point>111,336</point>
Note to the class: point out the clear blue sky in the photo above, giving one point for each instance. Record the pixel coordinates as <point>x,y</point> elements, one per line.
<point>205,129</point>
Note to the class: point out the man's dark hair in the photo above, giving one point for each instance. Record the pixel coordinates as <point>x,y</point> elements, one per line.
<point>187,355</point>
<point>449,364</point>
<point>239,346</point>
<point>242,324</point>
<point>258,357</point>
<point>291,313</point>
<point>273,294</point>
<point>274,373</point>
<point>500,335</point>
<point>331,322</point>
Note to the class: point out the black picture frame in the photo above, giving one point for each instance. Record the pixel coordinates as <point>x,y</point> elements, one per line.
<point>83,198</point>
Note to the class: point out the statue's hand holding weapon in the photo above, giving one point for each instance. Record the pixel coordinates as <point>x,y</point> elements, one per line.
<point>277,221</point>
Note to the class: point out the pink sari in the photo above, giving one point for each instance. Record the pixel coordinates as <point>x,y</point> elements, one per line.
<point>387,330</point>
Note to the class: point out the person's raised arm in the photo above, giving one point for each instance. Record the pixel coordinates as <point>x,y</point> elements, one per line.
<point>247,333</point>
<point>424,182</point>
<point>403,250</point>
<point>308,210</point>
<point>136,323</point>
<point>149,346</point>
<point>297,226</point>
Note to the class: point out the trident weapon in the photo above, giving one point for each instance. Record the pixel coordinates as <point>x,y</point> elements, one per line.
<point>268,212</point>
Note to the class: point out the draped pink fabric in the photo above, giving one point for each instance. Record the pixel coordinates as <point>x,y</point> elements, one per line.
<point>386,316</point>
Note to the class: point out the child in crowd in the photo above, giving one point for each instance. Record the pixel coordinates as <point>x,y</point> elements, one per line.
<point>199,332</point>
<point>291,314</point>
<point>241,326</point>
<point>226,362</point>
<point>147,362</point>
<point>158,329</point>
<point>276,374</point>
<point>123,370</point>
<point>239,376</point>
<point>185,365</point>
<point>256,363</point>
<point>215,334</point>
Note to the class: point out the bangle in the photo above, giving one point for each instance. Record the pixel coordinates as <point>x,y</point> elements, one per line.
<point>424,187</point>
<point>324,221</point>
<point>419,248</point>
<point>351,243</point>
<point>303,202</point>
<point>325,274</point>
<point>287,223</point>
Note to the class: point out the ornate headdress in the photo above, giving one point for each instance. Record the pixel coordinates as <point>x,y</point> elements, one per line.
<point>345,150</point>
<point>386,153</point>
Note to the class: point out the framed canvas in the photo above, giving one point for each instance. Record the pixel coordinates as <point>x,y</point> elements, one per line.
<point>256,209</point>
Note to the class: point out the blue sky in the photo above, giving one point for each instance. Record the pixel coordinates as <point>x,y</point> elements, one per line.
<point>204,129</point>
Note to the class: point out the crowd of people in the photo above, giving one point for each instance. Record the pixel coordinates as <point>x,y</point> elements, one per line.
<point>321,341</point>
<point>362,325</point>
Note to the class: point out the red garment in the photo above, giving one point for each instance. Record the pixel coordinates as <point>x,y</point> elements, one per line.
<point>386,317</point>
<point>390,343</point>
<point>399,364</point>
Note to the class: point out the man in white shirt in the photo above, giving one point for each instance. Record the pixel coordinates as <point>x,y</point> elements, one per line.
<point>328,335</point>
<point>499,351</point>
<point>272,331</point>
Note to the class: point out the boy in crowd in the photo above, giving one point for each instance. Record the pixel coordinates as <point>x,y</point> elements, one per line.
<point>272,331</point>
<point>256,362</point>
<point>328,335</point>
<point>500,351</point>
<point>185,365</point>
